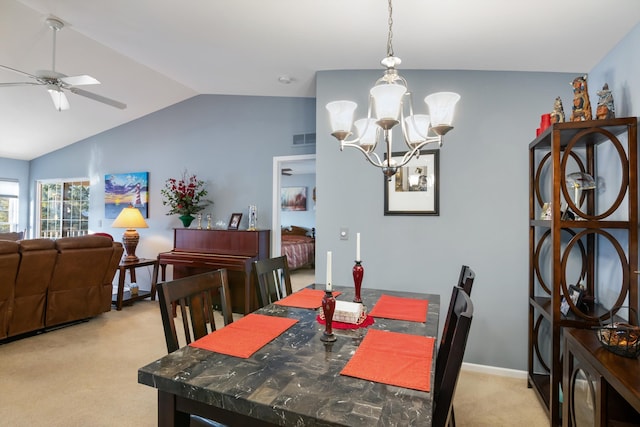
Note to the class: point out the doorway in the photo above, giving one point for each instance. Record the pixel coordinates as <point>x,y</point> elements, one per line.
<point>301,164</point>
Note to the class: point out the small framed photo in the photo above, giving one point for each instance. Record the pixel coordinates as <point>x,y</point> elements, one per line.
<point>414,189</point>
<point>575,294</point>
<point>234,222</point>
<point>546,211</point>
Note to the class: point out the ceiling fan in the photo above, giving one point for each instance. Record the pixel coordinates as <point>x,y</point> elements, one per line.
<point>56,83</point>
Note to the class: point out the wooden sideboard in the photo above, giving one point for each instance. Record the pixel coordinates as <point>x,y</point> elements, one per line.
<point>600,388</point>
<point>199,250</point>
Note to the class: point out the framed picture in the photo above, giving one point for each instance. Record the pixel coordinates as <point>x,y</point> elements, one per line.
<point>575,293</point>
<point>414,189</point>
<point>123,189</point>
<point>234,222</point>
<point>293,199</point>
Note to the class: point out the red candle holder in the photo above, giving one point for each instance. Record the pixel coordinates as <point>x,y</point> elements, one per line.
<point>358,274</point>
<point>328,308</point>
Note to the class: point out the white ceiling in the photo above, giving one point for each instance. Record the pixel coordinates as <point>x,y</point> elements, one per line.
<point>151,54</point>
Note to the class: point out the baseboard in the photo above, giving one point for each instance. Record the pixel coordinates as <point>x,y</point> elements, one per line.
<point>494,370</point>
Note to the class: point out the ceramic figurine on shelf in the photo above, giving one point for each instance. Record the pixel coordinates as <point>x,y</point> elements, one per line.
<point>557,115</point>
<point>581,109</point>
<point>605,108</point>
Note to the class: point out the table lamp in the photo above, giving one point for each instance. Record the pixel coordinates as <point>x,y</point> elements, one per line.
<point>130,218</point>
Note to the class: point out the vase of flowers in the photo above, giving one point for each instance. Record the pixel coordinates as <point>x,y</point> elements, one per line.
<point>185,196</point>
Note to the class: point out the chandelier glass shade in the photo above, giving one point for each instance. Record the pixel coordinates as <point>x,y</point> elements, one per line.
<point>390,105</point>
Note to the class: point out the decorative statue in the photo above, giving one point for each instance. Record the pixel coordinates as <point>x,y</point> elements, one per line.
<point>581,106</point>
<point>557,115</point>
<point>605,108</point>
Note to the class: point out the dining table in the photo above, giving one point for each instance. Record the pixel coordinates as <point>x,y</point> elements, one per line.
<point>297,379</point>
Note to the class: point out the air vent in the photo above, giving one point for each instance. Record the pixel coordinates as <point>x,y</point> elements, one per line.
<point>304,139</point>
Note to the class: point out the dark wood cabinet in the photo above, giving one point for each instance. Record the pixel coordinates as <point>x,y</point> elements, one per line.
<point>198,251</point>
<point>600,387</point>
<point>587,239</point>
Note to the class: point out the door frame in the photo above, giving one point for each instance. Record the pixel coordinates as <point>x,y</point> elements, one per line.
<point>279,163</point>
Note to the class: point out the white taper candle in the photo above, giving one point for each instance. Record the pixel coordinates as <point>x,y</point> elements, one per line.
<point>329,287</point>
<point>358,247</point>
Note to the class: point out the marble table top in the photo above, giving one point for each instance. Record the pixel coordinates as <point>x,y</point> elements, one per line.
<point>295,379</point>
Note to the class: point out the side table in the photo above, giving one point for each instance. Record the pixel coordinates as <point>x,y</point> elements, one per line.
<point>131,267</point>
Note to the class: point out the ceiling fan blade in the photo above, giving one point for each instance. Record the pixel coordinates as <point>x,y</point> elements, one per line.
<point>19,72</point>
<point>79,80</point>
<point>98,98</point>
<point>20,84</point>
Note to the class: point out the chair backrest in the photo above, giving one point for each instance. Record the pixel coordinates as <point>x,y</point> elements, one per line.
<point>194,296</point>
<point>450,355</point>
<point>467,276</point>
<point>274,281</point>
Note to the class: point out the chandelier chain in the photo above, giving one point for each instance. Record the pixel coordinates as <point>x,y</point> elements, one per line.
<point>390,34</point>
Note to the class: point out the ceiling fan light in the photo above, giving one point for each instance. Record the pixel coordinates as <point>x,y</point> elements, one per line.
<point>59,98</point>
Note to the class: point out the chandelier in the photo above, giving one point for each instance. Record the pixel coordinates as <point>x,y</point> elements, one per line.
<point>390,101</point>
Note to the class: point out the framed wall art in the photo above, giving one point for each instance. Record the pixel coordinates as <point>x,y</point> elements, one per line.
<point>293,199</point>
<point>414,189</point>
<point>123,189</point>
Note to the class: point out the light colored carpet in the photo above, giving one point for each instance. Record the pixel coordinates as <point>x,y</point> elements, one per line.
<point>85,375</point>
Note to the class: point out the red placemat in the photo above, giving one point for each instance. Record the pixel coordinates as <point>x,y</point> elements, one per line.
<point>305,298</point>
<point>399,308</point>
<point>393,358</point>
<point>245,336</point>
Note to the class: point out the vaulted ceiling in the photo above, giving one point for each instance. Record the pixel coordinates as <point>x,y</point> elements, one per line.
<point>150,54</point>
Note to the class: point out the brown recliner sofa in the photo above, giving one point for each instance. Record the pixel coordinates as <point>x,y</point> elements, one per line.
<point>55,282</point>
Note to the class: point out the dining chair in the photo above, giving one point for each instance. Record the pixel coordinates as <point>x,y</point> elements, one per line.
<point>467,276</point>
<point>450,356</point>
<point>194,295</point>
<point>273,279</point>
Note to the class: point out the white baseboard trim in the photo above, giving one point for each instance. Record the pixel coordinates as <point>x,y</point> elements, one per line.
<point>494,370</point>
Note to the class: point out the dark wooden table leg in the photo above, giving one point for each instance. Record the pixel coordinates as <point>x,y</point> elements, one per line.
<point>168,416</point>
<point>122,272</point>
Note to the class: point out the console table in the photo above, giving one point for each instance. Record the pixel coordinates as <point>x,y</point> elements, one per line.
<point>600,388</point>
<point>131,267</point>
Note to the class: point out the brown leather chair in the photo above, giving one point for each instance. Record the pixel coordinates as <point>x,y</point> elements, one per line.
<point>274,280</point>
<point>77,288</point>
<point>9,262</point>
<point>37,260</point>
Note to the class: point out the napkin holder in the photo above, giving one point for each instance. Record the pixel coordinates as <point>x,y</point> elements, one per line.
<point>349,312</point>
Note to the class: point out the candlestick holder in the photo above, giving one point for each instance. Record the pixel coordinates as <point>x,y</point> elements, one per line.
<point>199,217</point>
<point>358,274</point>
<point>328,308</point>
<point>208,221</point>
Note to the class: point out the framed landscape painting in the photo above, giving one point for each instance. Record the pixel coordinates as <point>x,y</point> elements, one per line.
<point>293,199</point>
<point>121,190</point>
<point>414,189</point>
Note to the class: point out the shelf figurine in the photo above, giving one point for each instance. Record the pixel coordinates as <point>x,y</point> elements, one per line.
<point>581,109</point>
<point>605,108</point>
<point>557,115</point>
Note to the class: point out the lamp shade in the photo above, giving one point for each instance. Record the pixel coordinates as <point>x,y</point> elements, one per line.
<point>130,217</point>
<point>341,115</point>
<point>387,100</point>
<point>417,128</point>
<point>441,107</point>
<point>368,133</point>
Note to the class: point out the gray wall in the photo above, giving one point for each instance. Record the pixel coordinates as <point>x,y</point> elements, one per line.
<point>230,141</point>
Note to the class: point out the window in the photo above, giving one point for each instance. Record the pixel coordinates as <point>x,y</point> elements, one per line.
<point>9,191</point>
<point>64,208</point>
